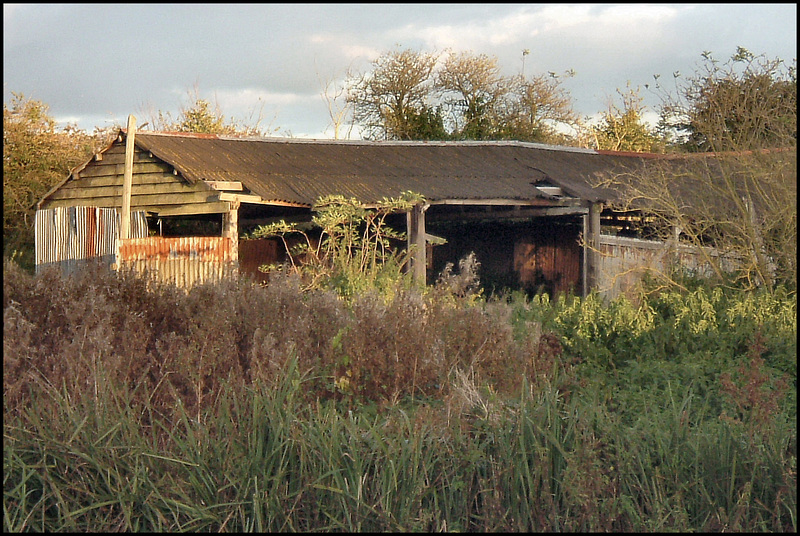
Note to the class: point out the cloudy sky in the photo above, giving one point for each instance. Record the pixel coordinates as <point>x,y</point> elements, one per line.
<point>94,64</point>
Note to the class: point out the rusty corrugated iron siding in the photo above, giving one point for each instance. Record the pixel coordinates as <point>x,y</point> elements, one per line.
<point>68,237</point>
<point>184,261</point>
<point>254,253</point>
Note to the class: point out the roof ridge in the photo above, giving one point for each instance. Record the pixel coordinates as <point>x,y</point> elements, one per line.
<point>371,143</point>
<point>447,143</point>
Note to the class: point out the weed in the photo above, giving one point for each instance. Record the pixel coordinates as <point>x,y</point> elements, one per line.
<point>128,407</point>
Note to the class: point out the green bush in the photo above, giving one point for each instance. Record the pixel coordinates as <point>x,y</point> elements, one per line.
<point>282,409</point>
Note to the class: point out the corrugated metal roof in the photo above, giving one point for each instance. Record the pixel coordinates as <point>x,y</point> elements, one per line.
<point>300,171</point>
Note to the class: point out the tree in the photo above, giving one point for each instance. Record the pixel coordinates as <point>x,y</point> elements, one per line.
<point>407,94</point>
<point>339,108</point>
<point>204,118</point>
<point>535,108</point>
<point>622,129</point>
<point>36,156</point>
<point>393,100</point>
<point>742,197</point>
<point>427,123</point>
<point>472,87</point>
<point>747,103</point>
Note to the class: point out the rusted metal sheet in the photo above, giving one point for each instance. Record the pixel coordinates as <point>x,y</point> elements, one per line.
<point>254,253</point>
<point>68,237</point>
<point>184,261</point>
<point>200,248</point>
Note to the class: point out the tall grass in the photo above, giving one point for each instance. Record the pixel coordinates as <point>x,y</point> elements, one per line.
<point>225,409</point>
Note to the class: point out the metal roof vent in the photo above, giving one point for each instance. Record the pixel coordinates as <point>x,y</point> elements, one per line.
<point>550,190</point>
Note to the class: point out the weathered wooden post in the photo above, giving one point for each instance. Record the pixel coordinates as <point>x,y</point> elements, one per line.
<point>127,180</point>
<point>593,245</point>
<point>416,243</point>
<point>230,229</point>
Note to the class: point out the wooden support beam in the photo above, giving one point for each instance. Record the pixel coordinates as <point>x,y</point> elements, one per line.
<point>537,201</point>
<point>515,212</point>
<point>127,180</point>
<point>189,210</point>
<point>230,229</point>
<point>225,185</point>
<point>257,200</point>
<point>592,239</point>
<point>240,198</point>
<point>254,221</point>
<point>585,264</point>
<point>416,243</point>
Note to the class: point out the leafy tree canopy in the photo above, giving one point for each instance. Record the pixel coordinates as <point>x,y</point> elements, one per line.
<point>748,102</point>
<point>410,95</point>
<point>623,129</point>
<point>36,156</point>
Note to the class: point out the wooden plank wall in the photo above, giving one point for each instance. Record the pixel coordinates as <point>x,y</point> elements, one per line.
<point>254,253</point>
<point>624,261</point>
<point>550,260</point>
<point>536,256</point>
<point>156,188</point>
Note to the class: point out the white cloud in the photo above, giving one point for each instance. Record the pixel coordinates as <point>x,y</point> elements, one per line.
<point>485,32</point>
<point>343,46</point>
<point>269,109</point>
<point>649,118</point>
<point>10,9</point>
<point>356,52</point>
<point>280,57</point>
<point>242,98</point>
<point>68,119</point>
<point>237,98</point>
<point>97,121</point>
<point>585,23</point>
<point>636,13</point>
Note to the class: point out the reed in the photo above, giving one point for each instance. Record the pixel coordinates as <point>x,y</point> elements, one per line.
<point>521,424</point>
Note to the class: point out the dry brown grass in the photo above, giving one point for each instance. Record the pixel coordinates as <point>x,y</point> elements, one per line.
<point>179,348</point>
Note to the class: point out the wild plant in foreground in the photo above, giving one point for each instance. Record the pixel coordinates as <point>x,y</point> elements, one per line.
<point>348,247</point>
<point>460,414</point>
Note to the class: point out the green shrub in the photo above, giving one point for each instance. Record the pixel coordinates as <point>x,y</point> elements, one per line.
<point>348,247</point>
<point>128,407</point>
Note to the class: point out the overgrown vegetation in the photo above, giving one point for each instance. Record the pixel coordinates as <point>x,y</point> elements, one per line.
<point>340,397</point>
<point>347,246</point>
<point>742,197</point>
<point>238,407</point>
<point>36,156</point>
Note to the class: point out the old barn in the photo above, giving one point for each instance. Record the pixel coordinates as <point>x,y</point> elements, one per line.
<point>181,203</point>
